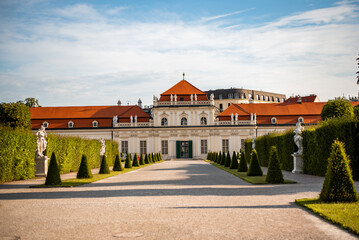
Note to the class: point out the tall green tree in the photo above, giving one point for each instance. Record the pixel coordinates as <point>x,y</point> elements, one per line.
<point>337,108</point>
<point>15,115</point>
<point>31,102</point>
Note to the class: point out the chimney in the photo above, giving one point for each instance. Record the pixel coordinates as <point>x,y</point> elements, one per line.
<point>299,100</point>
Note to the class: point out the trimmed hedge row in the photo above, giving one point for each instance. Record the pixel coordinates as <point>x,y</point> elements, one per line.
<point>285,147</point>
<point>17,154</point>
<point>316,146</point>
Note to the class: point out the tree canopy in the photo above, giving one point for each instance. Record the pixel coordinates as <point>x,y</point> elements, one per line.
<point>339,107</point>
<point>15,115</point>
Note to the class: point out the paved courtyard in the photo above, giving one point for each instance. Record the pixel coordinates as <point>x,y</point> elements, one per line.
<point>170,200</point>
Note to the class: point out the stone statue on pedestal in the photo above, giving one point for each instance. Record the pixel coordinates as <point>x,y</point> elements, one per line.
<point>103,147</point>
<point>298,139</point>
<point>41,161</point>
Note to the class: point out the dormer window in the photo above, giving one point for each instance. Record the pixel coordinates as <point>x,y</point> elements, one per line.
<point>95,124</point>
<point>230,95</point>
<point>70,124</point>
<point>273,120</point>
<point>45,124</point>
<point>220,96</point>
<point>301,120</point>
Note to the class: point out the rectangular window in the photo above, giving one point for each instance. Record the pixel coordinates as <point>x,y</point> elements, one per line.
<point>164,147</point>
<point>230,95</point>
<point>204,147</point>
<point>124,146</point>
<point>143,147</point>
<point>225,145</point>
<point>220,96</point>
<point>236,95</point>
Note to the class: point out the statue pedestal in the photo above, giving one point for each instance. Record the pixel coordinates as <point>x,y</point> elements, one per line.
<point>297,163</point>
<point>41,165</point>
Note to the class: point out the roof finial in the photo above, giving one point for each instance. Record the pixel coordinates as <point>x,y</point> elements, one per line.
<point>183,75</point>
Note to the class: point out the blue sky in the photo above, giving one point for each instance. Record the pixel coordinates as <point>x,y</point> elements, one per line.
<point>69,53</point>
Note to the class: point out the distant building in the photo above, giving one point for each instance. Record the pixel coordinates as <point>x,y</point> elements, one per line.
<point>223,98</point>
<point>184,122</point>
<point>299,99</point>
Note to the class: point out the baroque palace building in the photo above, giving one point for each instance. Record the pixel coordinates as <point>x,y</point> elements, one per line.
<point>184,122</point>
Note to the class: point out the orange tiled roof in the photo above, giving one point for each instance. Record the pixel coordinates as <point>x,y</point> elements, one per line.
<point>183,88</point>
<point>275,109</point>
<point>86,112</point>
<point>310,98</point>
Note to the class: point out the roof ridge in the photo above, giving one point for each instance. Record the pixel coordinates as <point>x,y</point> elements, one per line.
<point>237,106</point>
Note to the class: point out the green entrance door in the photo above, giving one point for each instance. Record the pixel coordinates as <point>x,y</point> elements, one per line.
<point>184,149</point>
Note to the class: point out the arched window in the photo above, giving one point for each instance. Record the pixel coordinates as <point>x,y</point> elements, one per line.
<point>203,121</point>
<point>45,124</point>
<point>273,120</point>
<point>301,120</point>
<point>183,121</point>
<point>164,122</point>
<point>95,124</point>
<point>70,124</point>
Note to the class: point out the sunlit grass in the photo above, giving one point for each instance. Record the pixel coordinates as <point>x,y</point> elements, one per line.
<point>243,175</point>
<point>345,215</point>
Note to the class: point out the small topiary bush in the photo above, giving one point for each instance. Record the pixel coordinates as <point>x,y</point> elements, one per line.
<point>243,167</point>
<point>254,167</point>
<point>135,162</point>
<point>128,162</point>
<point>142,160</point>
<point>104,169</point>
<point>53,173</point>
<point>274,174</point>
<point>146,159</point>
<point>338,184</point>
<point>84,170</point>
<point>227,162</point>
<point>118,165</point>
<point>234,162</point>
<point>223,159</point>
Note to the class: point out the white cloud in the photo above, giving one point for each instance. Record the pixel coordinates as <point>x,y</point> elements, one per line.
<point>93,61</point>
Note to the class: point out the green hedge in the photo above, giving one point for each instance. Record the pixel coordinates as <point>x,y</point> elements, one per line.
<point>248,149</point>
<point>285,147</point>
<point>317,143</point>
<point>18,148</point>
<point>17,154</point>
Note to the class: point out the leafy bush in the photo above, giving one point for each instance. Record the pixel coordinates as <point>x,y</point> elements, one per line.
<point>15,115</point>
<point>53,173</point>
<point>274,174</point>
<point>338,184</point>
<point>243,167</point>
<point>84,170</point>
<point>356,111</point>
<point>337,108</point>
<point>254,167</point>
<point>117,165</point>
<point>234,162</point>
<point>104,169</point>
<point>17,154</point>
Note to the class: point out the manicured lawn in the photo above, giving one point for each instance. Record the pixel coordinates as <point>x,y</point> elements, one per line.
<point>243,175</point>
<point>74,182</point>
<point>345,215</point>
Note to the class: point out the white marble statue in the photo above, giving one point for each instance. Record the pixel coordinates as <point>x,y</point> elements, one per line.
<point>195,97</point>
<point>232,117</point>
<point>236,117</point>
<point>191,97</point>
<point>114,119</point>
<point>131,119</point>
<point>175,97</point>
<point>103,147</point>
<point>41,141</point>
<point>171,97</point>
<point>298,139</point>
<point>211,97</point>
<point>253,143</point>
<point>135,118</point>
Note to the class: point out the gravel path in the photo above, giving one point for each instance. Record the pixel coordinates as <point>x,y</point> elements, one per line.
<point>170,200</point>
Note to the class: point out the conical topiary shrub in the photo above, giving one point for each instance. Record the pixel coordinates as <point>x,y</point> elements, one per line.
<point>243,167</point>
<point>84,170</point>
<point>227,162</point>
<point>234,162</point>
<point>338,184</point>
<point>135,162</point>
<point>128,162</point>
<point>53,173</point>
<point>223,159</point>
<point>146,159</point>
<point>142,160</point>
<point>117,166</point>
<point>104,169</point>
<point>274,173</point>
<point>254,167</point>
